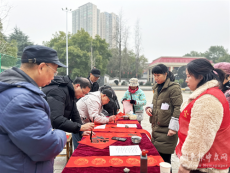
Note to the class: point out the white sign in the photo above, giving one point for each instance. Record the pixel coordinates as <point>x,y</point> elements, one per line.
<point>130,150</point>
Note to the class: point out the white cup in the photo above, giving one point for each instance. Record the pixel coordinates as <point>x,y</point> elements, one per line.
<point>165,167</point>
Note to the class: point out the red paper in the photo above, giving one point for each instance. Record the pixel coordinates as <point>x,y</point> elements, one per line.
<point>124,130</point>
<point>128,122</point>
<point>114,161</point>
<point>102,145</point>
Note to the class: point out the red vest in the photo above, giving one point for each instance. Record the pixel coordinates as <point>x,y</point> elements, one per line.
<point>218,156</point>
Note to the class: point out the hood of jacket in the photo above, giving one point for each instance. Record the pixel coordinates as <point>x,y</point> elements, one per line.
<point>63,81</point>
<point>17,78</point>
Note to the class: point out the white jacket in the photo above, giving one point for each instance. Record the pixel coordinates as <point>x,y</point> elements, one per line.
<point>90,106</point>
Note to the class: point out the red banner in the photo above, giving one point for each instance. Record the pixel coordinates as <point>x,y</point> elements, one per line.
<point>114,161</point>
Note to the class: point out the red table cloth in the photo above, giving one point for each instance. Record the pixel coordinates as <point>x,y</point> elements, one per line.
<point>85,150</point>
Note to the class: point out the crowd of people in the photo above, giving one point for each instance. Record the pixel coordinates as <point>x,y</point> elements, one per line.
<point>37,108</point>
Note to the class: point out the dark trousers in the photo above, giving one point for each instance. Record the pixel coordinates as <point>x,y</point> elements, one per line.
<point>166,157</point>
<point>76,137</point>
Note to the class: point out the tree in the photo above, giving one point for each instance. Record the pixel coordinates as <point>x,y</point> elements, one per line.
<point>128,65</point>
<point>225,58</point>
<point>8,50</point>
<point>194,54</point>
<point>79,52</point>
<point>6,47</point>
<point>119,38</point>
<point>22,40</point>
<point>182,72</point>
<point>216,52</point>
<point>137,44</point>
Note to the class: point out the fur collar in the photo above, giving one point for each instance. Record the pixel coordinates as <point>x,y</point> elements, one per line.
<point>202,88</point>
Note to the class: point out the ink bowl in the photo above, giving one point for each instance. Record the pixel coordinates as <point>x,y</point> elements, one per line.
<point>136,139</point>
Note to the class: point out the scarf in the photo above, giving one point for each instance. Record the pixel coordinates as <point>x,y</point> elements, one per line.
<point>133,91</point>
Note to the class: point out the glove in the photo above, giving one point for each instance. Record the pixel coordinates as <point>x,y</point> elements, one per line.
<point>133,102</point>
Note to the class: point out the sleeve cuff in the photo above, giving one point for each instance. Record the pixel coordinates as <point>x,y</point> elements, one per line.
<point>189,163</point>
<point>149,106</point>
<point>174,124</point>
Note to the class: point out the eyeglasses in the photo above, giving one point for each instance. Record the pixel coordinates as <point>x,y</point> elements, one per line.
<point>55,72</point>
<point>83,92</point>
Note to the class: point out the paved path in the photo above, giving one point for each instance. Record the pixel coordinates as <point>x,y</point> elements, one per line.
<point>60,162</point>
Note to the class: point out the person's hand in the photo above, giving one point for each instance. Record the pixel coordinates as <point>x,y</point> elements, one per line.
<point>171,132</point>
<point>183,170</point>
<point>112,118</point>
<point>124,99</point>
<point>133,102</point>
<point>87,127</point>
<point>149,112</point>
<point>87,133</point>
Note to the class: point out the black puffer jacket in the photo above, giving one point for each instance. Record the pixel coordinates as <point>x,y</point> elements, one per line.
<point>94,86</point>
<point>61,98</point>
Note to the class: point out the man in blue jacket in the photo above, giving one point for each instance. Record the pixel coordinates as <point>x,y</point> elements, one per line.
<point>27,142</point>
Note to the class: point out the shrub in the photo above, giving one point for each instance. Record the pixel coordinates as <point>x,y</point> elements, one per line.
<point>116,82</point>
<point>181,81</point>
<point>148,83</point>
<point>123,83</point>
<point>141,83</point>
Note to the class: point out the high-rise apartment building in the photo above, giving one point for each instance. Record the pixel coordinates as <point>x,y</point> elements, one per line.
<point>108,23</point>
<point>92,21</point>
<point>87,17</point>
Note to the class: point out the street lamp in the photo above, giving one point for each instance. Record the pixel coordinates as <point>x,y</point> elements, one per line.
<point>67,10</point>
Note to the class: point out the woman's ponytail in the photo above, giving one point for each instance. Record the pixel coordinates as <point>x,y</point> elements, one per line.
<point>171,76</point>
<point>220,76</point>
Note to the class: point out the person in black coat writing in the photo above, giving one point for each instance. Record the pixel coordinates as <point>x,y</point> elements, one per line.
<point>61,96</point>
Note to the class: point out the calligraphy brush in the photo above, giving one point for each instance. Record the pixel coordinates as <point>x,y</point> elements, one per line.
<point>91,132</point>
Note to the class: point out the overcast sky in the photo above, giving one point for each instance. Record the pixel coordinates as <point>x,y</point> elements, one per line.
<point>168,27</point>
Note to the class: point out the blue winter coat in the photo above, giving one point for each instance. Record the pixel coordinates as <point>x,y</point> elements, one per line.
<point>27,142</point>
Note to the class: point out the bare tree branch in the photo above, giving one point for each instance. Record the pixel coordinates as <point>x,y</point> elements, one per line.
<point>137,46</point>
<point>119,38</point>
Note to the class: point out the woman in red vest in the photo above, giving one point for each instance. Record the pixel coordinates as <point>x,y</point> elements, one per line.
<point>204,132</point>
